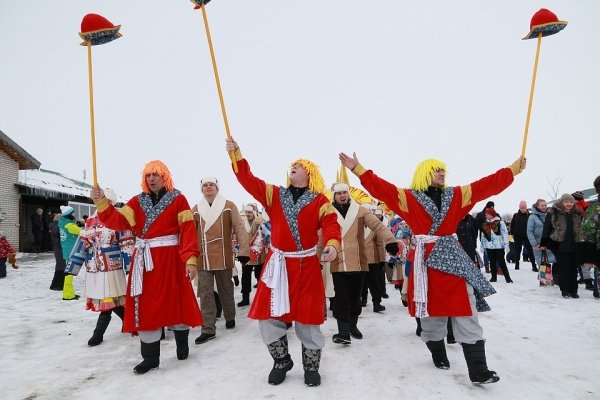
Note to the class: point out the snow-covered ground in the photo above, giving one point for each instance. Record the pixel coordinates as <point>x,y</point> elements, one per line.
<point>542,346</point>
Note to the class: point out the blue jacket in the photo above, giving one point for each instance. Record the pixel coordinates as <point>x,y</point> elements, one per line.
<point>69,231</point>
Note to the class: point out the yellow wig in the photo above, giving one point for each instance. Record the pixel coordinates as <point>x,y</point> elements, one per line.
<point>316,184</point>
<point>424,174</point>
<point>157,167</point>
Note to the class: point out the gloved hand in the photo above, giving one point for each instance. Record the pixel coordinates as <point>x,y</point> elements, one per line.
<point>243,260</point>
<point>392,248</point>
<point>236,280</point>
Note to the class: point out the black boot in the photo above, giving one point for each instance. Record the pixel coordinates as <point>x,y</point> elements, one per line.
<point>181,339</point>
<point>151,355</point>
<point>354,332</point>
<point>343,335</point>
<point>419,329</point>
<point>101,325</point>
<point>438,354</point>
<point>120,311</point>
<point>477,364</point>
<point>58,281</point>
<point>377,307</point>
<point>589,284</point>
<point>282,360</point>
<point>311,360</point>
<point>245,300</point>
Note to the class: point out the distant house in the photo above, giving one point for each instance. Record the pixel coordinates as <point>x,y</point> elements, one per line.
<point>24,187</point>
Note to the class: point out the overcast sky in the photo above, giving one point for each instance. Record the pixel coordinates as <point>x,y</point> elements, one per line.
<point>396,81</point>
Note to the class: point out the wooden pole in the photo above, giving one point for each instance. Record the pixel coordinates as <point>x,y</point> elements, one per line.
<point>214,63</point>
<point>93,130</point>
<point>535,65</point>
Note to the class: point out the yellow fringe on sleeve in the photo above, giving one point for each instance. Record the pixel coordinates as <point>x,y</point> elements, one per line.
<point>467,195</point>
<point>128,213</point>
<point>185,216</point>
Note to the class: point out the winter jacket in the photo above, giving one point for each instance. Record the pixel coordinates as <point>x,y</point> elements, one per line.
<point>555,235</point>
<point>535,228</point>
<point>216,243</point>
<point>68,234</point>
<point>588,239</point>
<point>352,256</point>
<point>498,240</point>
<point>518,224</point>
<point>466,232</point>
<point>5,248</point>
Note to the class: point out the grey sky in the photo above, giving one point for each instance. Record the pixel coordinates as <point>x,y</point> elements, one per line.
<point>396,81</point>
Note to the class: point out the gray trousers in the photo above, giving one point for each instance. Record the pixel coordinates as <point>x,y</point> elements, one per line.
<point>206,287</point>
<point>154,336</point>
<point>466,329</point>
<point>311,336</point>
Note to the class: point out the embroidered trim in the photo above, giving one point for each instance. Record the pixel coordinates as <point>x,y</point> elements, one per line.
<point>291,210</point>
<point>152,212</point>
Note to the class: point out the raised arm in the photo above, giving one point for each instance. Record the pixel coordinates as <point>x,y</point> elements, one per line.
<point>259,189</point>
<point>379,188</point>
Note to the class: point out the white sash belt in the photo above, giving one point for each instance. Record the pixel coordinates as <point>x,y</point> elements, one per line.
<point>276,279</point>
<point>420,274</point>
<point>143,259</point>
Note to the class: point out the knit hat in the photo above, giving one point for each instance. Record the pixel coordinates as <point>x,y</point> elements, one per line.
<point>522,204</point>
<point>159,168</point>
<point>597,184</point>
<point>340,187</point>
<point>578,195</point>
<point>489,204</point>
<point>210,179</point>
<point>490,211</point>
<point>566,197</point>
<point>66,210</point>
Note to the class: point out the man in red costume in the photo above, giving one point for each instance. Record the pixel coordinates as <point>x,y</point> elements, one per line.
<point>444,282</point>
<point>159,291</point>
<point>291,287</point>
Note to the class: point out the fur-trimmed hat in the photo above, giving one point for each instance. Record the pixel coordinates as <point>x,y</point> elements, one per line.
<point>566,197</point>
<point>159,168</point>
<point>210,179</point>
<point>340,187</point>
<point>66,210</point>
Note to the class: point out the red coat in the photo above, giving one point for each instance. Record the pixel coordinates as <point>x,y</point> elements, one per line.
<point>306,291</point>
<point>168,297</point>
<point>447,294</point>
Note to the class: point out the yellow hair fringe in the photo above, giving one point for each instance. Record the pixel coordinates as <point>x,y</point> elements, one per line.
<point>316,184</point>
<point>424,174</point>
<point>157,167</point>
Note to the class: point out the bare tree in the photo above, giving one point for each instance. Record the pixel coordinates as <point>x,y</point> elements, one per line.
<point>554,188</point>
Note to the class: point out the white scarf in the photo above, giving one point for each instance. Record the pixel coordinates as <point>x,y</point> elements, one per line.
<point>210,214</point>
<point>420,274</point>
<point>275,278</point>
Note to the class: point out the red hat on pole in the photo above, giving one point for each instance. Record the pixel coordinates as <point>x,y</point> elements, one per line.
<point>198,3</point>
<point>98,30</point>
<point>544,21</point>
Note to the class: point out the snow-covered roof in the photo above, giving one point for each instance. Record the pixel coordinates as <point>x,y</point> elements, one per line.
<point>41,182</point>
<point>15,151</point>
